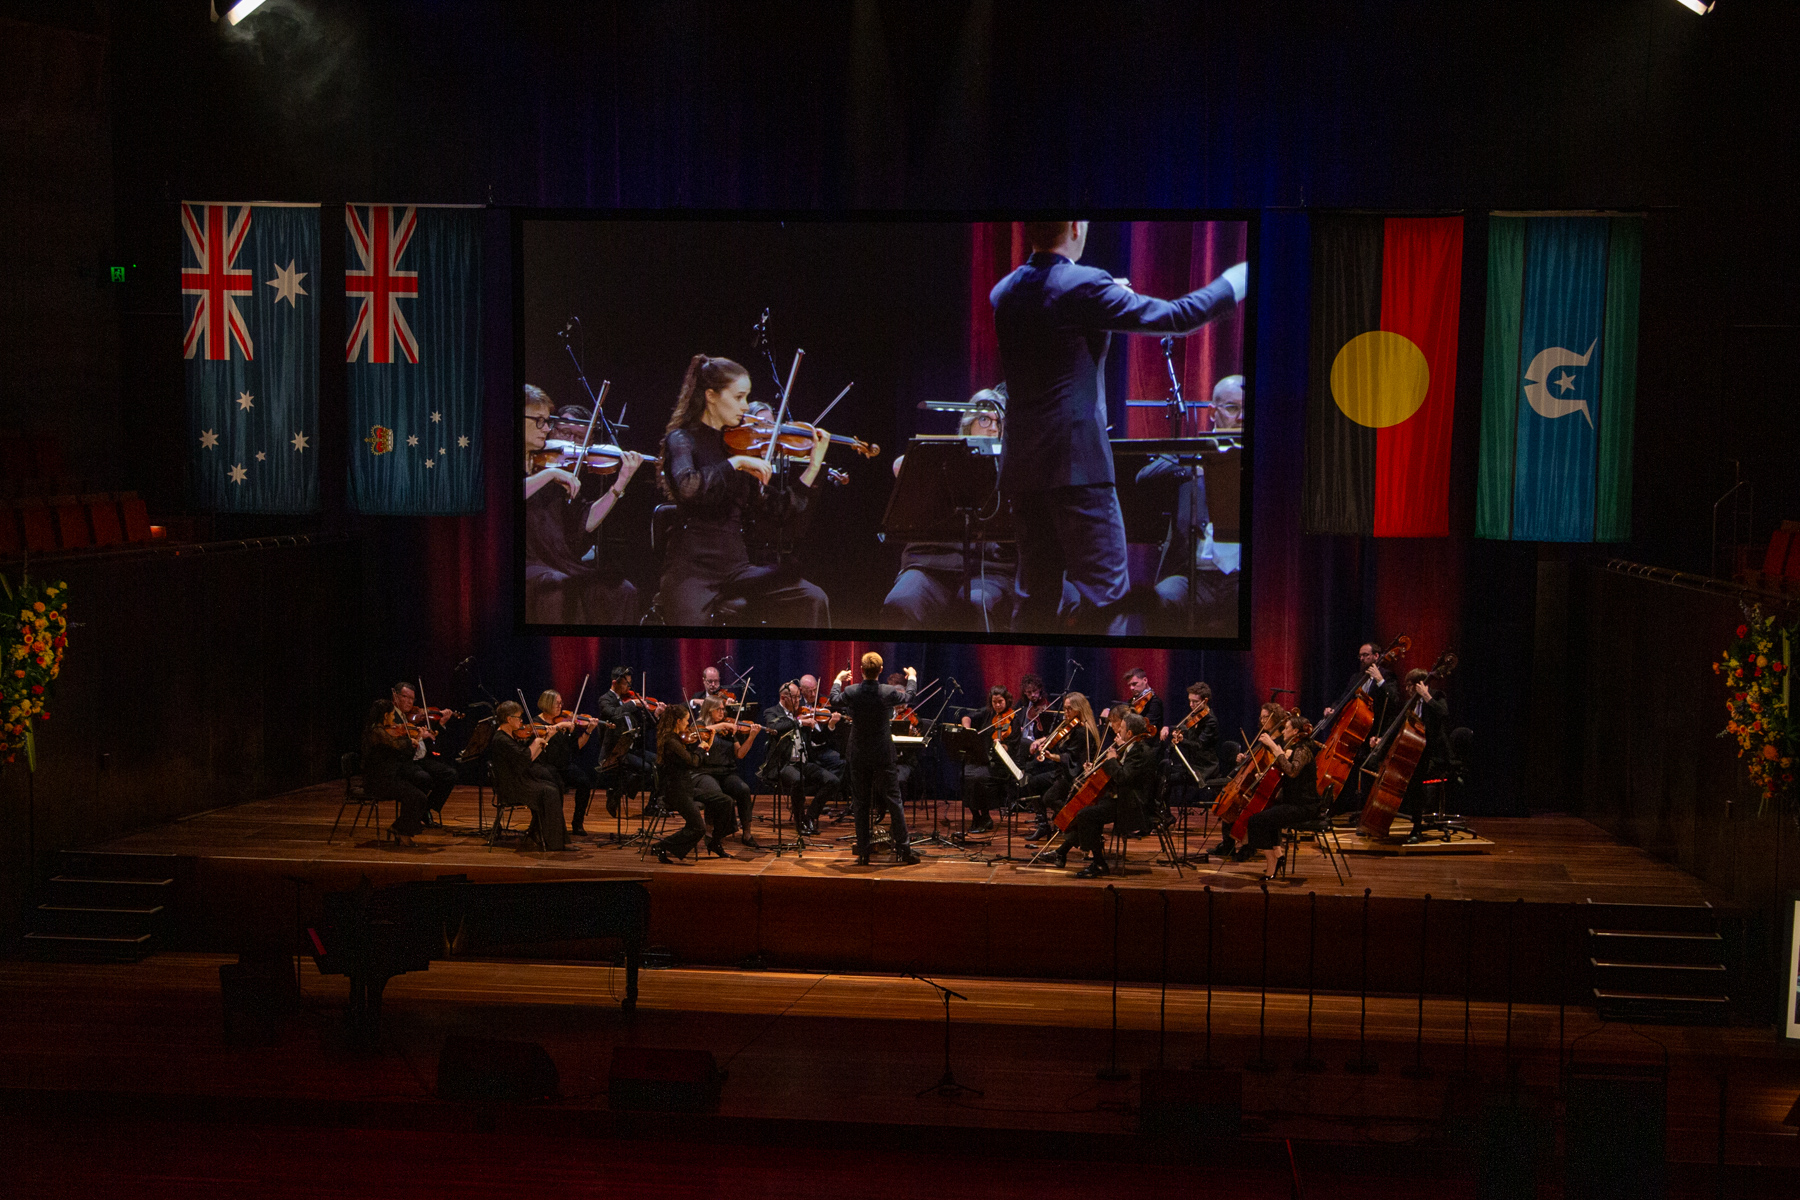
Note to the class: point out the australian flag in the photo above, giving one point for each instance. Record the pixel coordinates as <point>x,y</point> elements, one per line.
<point>413,282</point>
<point>248,283</point>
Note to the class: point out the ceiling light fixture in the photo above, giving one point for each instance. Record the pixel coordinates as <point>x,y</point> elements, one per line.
<point>244,8</point>
<point>1700,6</point>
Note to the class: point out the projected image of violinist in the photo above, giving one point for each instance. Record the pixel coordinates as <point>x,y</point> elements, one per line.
<point>759,366</point>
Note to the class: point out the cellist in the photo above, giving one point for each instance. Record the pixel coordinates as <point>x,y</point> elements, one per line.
<point>1298,802</point>
<point>1433,712</point>
<point>1122,803</point>
<point>1269,721</point>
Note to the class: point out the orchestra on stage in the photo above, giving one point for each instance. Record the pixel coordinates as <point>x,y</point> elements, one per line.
<point>928,767</point>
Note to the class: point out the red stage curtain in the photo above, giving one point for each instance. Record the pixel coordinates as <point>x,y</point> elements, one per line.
<point>1170,259</point>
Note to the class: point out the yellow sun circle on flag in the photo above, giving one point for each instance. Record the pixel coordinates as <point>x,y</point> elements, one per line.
<point>1379,378</point>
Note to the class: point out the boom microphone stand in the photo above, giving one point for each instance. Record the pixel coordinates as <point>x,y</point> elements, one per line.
<point>946,1084</point>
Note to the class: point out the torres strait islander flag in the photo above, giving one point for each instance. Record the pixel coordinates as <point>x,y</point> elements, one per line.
<point>412,279</point>
<point>1559,378</point>
<point>1386,296</point>
<point>249,277</point>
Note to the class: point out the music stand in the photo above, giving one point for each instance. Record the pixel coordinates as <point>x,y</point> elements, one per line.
<point>949,491</point>
<point>968,748</point>
<point>1149,522</point>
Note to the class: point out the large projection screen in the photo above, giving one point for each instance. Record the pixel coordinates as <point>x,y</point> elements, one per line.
<point>898,311</point>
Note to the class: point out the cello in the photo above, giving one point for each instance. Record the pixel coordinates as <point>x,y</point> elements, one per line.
<point>1093,781</point>
<point>1248,792</point>
<point>1350,728</point>
<point>1405,748</point>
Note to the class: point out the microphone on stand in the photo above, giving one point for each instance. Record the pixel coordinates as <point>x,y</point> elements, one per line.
<point>568,327</point>
<point>464,665</point>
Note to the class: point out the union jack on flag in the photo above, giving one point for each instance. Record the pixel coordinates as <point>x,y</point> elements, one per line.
<point>217,322</point>
<point>380,324</point>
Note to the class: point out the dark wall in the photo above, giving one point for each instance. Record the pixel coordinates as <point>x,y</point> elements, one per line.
<point>192,681</point>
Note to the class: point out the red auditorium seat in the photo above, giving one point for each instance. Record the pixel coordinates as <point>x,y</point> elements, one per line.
<point>137,518</point>
<point>72,532</point>
<point>1775,560</point>
<point>103,518</point>
<point>11,540</point>
<point>39,525</point>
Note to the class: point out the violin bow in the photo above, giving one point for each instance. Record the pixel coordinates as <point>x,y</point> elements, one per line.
<point>787,391</point>
<point>588,437</point>
<point>579,697</point>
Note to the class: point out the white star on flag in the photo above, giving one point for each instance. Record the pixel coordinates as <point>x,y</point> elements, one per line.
<point>287,283</point>
<point>1565,381</point>
<point>244,400</point>
<point>208,439</point>
<point>298,441</point>
<point>429,463</point>
<point>436,417</point>
<point>462,443</point>
<point>237,473</point>
<point>442,452</point>
<point>412,439</point>
<point>261,455</point>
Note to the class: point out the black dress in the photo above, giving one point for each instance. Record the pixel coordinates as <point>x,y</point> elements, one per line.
<point>707,560</point>
<point>1296,803</point>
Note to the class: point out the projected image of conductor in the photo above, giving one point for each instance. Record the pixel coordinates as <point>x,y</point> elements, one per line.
<point>1054,320</point>
<point>707,576</point>
<point>936,588</point>
<point>567,579</point>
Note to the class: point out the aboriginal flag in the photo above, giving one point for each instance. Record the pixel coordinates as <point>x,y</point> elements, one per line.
<point>1382,397</point>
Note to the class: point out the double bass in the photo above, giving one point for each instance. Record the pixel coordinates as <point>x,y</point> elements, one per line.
<point>1351,727</point>
<point>1404,750</point>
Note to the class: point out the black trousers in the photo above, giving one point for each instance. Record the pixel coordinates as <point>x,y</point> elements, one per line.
<point>872,784</point>
<point>681,800</point>
<point>811,778</point>
<point>1088,830</point>
<point>579,782</point>
<point>401,789</point>
<point>435,776</point>
<point>726,800</point>
<point>632,774</point>
<point>985,790</point>
<point>1266,826</point>
<point>544,799</point>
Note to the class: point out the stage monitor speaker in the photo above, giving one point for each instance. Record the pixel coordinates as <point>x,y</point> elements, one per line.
<point>1190,1104</point>
<point>650,1079</point>
<point>1615,1131</point>
<point>487,1070</point>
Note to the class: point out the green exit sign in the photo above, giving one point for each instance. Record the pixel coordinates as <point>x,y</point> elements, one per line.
<point>117,274</point>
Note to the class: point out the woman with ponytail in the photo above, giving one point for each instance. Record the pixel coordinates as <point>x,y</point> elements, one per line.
<point>713,490</point>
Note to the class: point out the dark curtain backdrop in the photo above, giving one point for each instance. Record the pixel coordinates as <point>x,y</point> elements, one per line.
<point>980,105</point>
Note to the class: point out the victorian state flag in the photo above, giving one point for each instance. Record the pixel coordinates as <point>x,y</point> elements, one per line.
<point>249,298</point>
<point>1559,378</point>
<point>1382,397</point>
<point>413,282</point>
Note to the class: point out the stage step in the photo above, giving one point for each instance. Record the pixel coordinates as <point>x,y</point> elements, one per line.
<point>1658,963</point>
<point>103,906</point>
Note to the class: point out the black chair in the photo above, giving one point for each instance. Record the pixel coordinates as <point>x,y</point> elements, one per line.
<point>504,806</point>
<point>1452,779</point>
<point>1324,838</point>
<point>356,793</point>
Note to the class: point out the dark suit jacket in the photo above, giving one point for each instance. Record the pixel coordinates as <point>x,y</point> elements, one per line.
<point>870,707</point>
<point>1055,320</point>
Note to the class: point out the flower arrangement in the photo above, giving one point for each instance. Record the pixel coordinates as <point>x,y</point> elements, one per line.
<point>31,652</point>
<point>1755,667</point>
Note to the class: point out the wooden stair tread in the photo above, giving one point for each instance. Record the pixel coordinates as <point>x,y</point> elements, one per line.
<point>92,908</point>
<point>1605,994</point>
<point>1658,966</point>
<point>1653,933</point>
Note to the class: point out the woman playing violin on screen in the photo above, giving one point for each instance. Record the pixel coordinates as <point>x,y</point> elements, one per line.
<point>560,587</point>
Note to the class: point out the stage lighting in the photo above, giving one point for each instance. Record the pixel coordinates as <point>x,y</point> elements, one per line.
<point>237,11</point>
<point>1700,6</point>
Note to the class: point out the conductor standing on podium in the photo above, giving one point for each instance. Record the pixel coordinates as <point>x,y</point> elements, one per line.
<point>870,706</point>
<point>1055,320</point>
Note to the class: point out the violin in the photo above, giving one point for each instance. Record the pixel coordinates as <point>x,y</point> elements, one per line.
<point>394,726</point>
<point>1142,698</point>
<point>1058,736</point>
<point>1194,717</point>
<point>649,702</point>
<point>599,459</point>
<point>442,716</point>
<point>753,434</point>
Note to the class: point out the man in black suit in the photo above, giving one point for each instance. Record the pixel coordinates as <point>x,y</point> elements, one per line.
<point>870,706</point>
<point>1055,320</point>
<point>1383,692</point>
<point>1433,714</point>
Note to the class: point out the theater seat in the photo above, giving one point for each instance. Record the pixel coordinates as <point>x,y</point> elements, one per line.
<point>12,541</point>
<point>103,518</point>
<point>38,524</point>
<point>135,516</point>
<point>72,532</point>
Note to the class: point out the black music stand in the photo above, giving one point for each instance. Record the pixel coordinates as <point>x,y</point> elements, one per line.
<point>949,491</point>
<point>967,748</point>
<point>1149,522</point>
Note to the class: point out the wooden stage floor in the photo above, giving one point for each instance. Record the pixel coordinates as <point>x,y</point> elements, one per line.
<point>1506,921</point>
<point>1548,859</point>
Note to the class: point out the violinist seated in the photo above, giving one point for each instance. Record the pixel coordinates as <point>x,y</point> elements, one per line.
<point>520,775</point>
<point>1140,698</point>
<point>388,776</point>
<point>992,786</point>
<point>625,714</point>
<point>721,790</point>
<point>1433,712</point>
<point>790,765</point>
<point>563,584</point>
<point>1121,804</point>
<point>710,688</point>
<point>676,754</point>
<point>1188,549</point>
<point>568,737</point>
<point>1067,749</point>
<point>1192,766</point>
<point>427,769</point>
<point>931,591</point>
<point>1269,721</point>
<point>1296,803</point>
<point>715,489</point>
